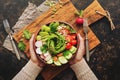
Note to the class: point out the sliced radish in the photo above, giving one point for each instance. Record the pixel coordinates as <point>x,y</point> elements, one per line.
<point>47,56</point>
<point>38,43</point>
<point>38,51</point>
<point>42,56</point>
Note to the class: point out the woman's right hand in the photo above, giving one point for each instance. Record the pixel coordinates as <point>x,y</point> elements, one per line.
<point>80,52</point>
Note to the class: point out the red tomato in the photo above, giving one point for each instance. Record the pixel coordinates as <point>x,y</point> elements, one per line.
<point>73,42</point>
<point>68,46</point>
<point>68,38</point>
<point>73,36</point>
<point>79,21</point>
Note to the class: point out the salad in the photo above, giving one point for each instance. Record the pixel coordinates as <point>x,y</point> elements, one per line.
<point>56,43</point>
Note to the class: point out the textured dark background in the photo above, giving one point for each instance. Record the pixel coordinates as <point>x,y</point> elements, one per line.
<point>105,61</point>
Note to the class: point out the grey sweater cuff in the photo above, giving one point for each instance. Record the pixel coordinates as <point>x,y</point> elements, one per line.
<point>82,71</point>
<point>32,69</point>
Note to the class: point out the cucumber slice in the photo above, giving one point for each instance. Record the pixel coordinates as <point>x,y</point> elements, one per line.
<point>57,63</point>
<point>50,61</point>
<point>62,60</point>
<point>68,56</point>
<point>73,49</point>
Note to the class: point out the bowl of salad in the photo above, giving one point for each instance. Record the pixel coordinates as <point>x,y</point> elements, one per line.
<point>56,43</point>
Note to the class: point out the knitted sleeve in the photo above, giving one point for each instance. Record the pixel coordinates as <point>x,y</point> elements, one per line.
<point>82,71</point>
<point>28,72</point>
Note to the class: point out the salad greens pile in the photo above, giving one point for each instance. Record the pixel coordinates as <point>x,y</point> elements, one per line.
<point>56,43</point>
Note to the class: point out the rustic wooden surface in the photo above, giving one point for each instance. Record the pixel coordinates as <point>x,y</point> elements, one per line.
<point>62,15</point>
<point>104,61</point>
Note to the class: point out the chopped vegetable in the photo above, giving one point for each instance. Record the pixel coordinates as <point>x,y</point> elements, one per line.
<point>38,51</point>
<point>26,34</point>
<point>47,56</point>
<point>38,37</point>
<point>44,48</point>
<point>67,54</point>
<point>57,63</point>
<point>38,44</point>
<point>45,28</point>
<point>50,61</point>
<point>53,26</point>
<point>60,54</point>
<point>55,58</point>
<point>21,46</point>
<point>62,60</point>
<point>68,46</point>
<point>73,42</point>
<point>73,49</point>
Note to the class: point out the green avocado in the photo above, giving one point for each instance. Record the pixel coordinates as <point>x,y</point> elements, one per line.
<point>56,43</point>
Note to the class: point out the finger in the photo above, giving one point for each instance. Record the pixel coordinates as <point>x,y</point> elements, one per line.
<point>81,48</point>
<point>32,53</point>
<point>81,41</point>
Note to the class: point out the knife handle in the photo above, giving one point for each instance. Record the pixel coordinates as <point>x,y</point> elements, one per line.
<point>87,49</point>
<point>14,47</point>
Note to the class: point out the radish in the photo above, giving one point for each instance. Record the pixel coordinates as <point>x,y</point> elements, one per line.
<point>38,44</point>
<point>38,51</point>
<point>79,20</point>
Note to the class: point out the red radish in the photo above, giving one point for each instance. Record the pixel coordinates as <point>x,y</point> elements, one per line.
<point>38,51</point>
<point>80,20</point>
<point>38,44</point>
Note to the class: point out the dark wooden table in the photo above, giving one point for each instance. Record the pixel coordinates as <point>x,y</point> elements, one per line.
<point>105,61</point>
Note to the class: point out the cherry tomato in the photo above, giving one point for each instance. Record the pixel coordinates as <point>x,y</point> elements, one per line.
<point>73,42</point>
<point>68,46</point>
<point>73,36</point>
<point>68,38</point>
<point>79,21</point>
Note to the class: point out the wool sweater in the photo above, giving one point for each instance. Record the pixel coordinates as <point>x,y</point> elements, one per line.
<point>31,70</point>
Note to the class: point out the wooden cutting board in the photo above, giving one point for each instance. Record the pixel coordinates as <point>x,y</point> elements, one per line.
<point>65,13</point>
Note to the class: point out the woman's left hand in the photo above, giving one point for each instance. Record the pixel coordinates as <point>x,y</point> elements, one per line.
<point>34,57</point>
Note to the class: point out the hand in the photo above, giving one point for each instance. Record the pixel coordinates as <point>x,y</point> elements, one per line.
<point>34,58</point>
<point>80,52</point>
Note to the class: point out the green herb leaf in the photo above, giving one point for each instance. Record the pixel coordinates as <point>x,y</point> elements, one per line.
<point>21,46</point>
<point>54,26</point>
<point>44,48</point>
<point>26,34</point>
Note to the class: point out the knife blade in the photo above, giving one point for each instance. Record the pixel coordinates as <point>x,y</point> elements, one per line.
<point>86,30</point>
<point>8,30</point>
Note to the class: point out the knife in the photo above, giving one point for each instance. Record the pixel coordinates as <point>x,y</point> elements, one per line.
<point>86,29</point>
<point>8,30</point>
